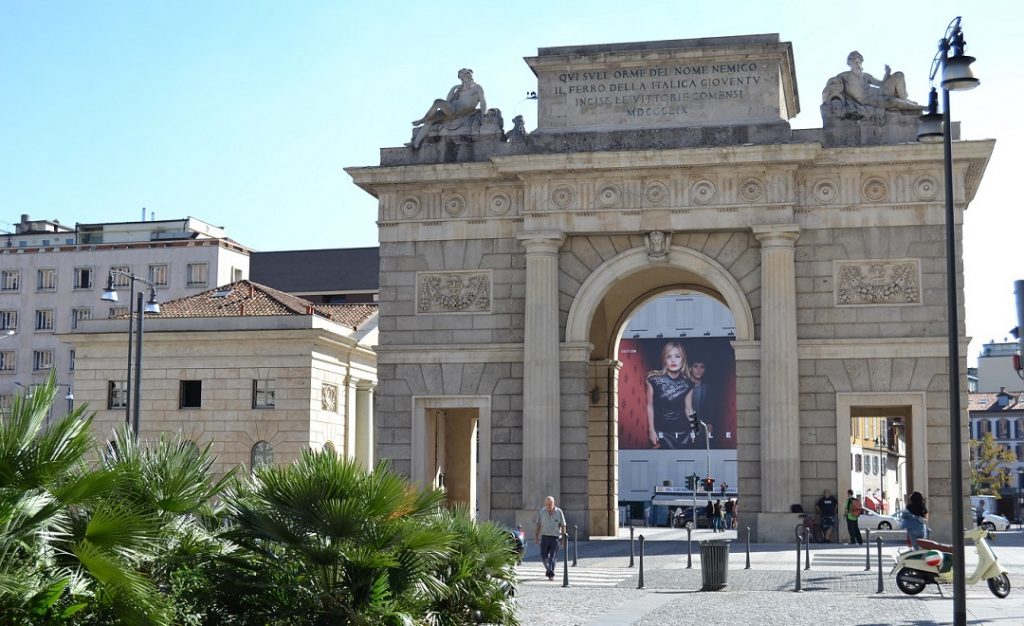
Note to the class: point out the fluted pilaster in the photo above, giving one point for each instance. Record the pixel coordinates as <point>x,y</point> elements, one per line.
<point>780,407</point>
<point>541,420</point>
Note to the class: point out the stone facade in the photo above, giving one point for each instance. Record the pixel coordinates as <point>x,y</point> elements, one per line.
<point>830,257</point>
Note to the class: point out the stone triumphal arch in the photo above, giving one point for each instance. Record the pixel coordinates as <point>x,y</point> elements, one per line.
<point>510,261</point>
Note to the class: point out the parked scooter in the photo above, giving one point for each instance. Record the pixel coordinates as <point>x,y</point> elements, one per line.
<point>518,537</point>
<point>932,562</point>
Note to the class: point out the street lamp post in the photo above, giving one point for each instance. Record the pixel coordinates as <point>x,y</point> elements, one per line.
<point>133,402</point>
<point>1020,500</point>
<point>956,76</point>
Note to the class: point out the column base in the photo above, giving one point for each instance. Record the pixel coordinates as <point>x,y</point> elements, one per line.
<point>772,527</point>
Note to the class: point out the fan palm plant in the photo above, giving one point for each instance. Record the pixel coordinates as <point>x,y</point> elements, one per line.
<point>341,545</point>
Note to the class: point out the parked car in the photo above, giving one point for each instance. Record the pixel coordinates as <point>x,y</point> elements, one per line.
<point>992,521</point>
<point>686,519</point>
<point>869,520</point>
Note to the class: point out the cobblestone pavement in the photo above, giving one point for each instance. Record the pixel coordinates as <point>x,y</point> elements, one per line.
<point>603,590</point>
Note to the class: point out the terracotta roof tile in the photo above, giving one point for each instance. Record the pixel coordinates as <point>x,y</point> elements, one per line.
<point>249,299</point>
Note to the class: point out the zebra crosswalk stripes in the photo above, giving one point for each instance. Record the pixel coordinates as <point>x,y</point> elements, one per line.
<point>533,574</point>
<point>830,560</point>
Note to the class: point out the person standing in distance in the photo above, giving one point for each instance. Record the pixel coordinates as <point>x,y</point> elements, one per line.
<point>827,506</point>
<point>853,511</point>
<point>550,528</point>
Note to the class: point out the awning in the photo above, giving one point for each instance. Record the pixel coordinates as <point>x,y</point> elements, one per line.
<point>676,500</point>
<point>871,503</point>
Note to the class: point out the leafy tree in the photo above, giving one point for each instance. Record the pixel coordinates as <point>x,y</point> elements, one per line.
<point>990,467</point>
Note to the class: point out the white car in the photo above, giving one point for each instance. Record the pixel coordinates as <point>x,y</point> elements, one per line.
<point>992,521</point>
<point>869,520</point>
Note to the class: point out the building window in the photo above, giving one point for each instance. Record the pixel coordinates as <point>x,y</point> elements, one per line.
<point>46,280</point>
<point>262,454</point>
<point>158,275</point>
<point>10,280</point>
<point>8,320</point>
<point>83,278</point>
<point>1020,451</point>
<point>7,360</point>
<point>71,360</point>
<point>117,394</point>
<point>190,395</point>
<point>196,274</point>
<point>42,360</point>
<point>118,311</point>
<point>1019,429</point>
<point>329,398</point>
<point>44,319</point>
<point>79,314</point>
<point>236,274</point>
<point>1003,428</point>
<point>983,428</point>
<point>6,402</point>
<point>121,280</point>
<point>874,465</point>
<point>263,394</point>
<point>857,463</point>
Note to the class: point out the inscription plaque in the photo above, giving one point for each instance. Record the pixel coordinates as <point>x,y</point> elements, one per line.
<point>693,82</point>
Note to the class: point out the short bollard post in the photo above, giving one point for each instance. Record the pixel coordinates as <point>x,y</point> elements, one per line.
<point>565,560</point>
<point>867,551</point>
<point>631,546</point>
<point>689,550</point>
<point>748,548</point>
<point>881,585</point>
<point>640,583</point>
<point>575,544</point>
<point>807,548</point>
<point>799,541</point>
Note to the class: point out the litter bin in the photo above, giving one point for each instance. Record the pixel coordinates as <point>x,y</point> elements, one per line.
<point>714,564</point>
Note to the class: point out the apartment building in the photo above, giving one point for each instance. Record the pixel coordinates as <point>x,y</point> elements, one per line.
<point>52,277</point>
<point>258,374</point>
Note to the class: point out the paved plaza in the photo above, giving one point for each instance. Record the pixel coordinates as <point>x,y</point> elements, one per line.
<point>836,589</point>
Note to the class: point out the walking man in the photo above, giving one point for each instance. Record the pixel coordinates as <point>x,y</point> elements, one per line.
<point>550,528</point>
<point>853,511</point>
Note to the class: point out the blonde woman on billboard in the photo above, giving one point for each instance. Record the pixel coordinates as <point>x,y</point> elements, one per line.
<point>668,399</point>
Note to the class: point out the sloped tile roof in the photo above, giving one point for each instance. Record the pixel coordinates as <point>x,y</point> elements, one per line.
<point>989,402</point>
<point>248,299</point>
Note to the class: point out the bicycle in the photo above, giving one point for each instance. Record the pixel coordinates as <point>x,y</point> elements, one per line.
<point>812,527</point>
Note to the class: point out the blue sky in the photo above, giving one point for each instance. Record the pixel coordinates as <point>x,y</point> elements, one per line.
<point>243,113</point>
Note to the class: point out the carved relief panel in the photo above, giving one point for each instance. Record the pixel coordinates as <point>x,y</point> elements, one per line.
<point>453,292</point>
<point>888,281</point>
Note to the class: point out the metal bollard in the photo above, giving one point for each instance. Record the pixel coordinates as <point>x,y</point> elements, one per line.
<point>881,585</point>
<point>807,548</point>
<point>640,583</point>
<point>867,551</point>
<point>565,561</point>
<point>799,540</point>
<point>689,550</point>
<point>631,546</point>
<point>748,548</point>
<point>575,544</point>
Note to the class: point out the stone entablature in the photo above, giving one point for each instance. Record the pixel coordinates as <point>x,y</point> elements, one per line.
<point>672,190</point>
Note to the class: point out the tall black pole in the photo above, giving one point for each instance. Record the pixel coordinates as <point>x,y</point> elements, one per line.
<point>128,372</point>
<point>955,453</point>
<point>137,392</point>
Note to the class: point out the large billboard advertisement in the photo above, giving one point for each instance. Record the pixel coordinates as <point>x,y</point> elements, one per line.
<point>662,381</point>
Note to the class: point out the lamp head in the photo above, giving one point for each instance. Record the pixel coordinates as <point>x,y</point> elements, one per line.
<point>956,70</point>
<point>152,306</point>
<point>930,125</point>
<point>109,293</point>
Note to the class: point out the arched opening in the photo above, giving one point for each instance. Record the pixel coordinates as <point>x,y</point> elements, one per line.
<point>613,295</point>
